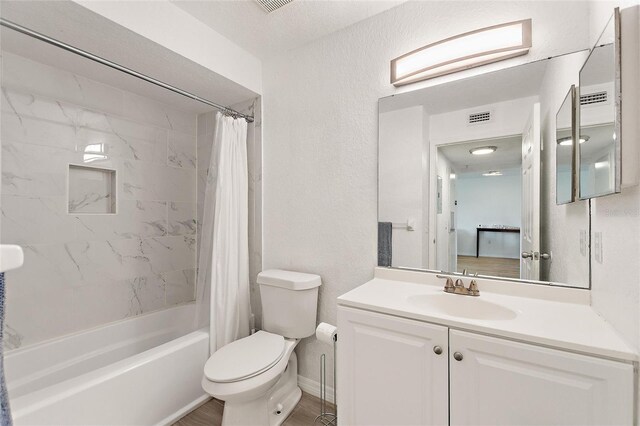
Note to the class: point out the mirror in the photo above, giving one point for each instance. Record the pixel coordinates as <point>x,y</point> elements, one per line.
<point>465,165</point>
<point>599,165</point>
<point>565,149</point>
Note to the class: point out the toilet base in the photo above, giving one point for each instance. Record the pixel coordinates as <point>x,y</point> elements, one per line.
<point>272,408</point>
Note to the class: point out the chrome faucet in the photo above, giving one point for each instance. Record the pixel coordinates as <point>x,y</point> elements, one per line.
<point>459,288</point>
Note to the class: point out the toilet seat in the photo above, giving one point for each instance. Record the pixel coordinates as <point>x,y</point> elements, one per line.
<point>245,358</point>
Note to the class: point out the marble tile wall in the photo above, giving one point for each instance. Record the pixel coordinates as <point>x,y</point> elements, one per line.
<point>85,270</point>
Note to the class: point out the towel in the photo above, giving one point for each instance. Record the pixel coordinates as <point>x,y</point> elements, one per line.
<point>5,412</point>
<point>384,243</point>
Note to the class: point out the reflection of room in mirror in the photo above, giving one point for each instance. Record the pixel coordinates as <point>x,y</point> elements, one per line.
<point>493,214</point>
<point>598,155</point>
<point>486,203</point>
<point>565,150</point>
<point>597,123</point>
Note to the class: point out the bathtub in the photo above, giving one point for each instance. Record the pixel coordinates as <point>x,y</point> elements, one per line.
<point>141,371</point>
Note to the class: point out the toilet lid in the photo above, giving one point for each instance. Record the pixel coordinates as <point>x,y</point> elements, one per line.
<point>245,358</point>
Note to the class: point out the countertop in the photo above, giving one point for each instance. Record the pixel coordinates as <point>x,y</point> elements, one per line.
<point>551,316</point>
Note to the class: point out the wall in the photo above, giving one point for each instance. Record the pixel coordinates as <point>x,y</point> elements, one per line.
<point>400,193</point>
<point>568,220</point>
<point>615,282</point>
<point>508,119</point>
<point>82,271</point>
<point>320,134</point>
<point>489,200</point>
<point>168,25</point>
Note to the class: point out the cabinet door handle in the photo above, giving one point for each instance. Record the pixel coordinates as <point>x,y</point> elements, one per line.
<point>437,350</point>
<point>457,356</point>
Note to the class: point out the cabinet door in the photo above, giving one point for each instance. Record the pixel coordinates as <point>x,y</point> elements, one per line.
<point>500,382</point>
<point>388,371</point>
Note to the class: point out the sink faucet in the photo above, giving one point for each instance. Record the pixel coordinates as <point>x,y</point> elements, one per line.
<point>459,288</point>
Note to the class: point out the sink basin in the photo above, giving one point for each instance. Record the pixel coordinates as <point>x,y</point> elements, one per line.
<point>462,306</point>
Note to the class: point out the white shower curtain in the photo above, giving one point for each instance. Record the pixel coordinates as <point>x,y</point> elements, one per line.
<point>224,246</point>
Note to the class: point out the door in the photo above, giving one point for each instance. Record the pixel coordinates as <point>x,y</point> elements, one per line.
<point>390,370</point>
<point>530,227</point>
<point>500,382</point>
<point>453,234</point>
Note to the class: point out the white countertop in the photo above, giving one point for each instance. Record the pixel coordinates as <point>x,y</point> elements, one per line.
<point>551,316</point>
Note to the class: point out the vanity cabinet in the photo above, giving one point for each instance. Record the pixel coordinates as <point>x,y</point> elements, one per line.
<point>502,382</point>
<point>397,371</point>
<point>389,372</point>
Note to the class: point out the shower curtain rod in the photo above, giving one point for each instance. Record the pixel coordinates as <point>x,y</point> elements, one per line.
<point>100,60</point>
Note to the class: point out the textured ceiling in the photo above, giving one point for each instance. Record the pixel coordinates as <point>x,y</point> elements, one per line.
<point>296,24</point>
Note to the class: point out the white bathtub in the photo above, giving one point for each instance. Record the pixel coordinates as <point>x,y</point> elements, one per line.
<point>141,371</point>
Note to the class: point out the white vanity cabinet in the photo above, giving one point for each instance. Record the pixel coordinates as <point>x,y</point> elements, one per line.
<point>502,382</point>
<point>390,373</point>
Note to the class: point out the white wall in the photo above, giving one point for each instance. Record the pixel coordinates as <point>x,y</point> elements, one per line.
<point>401,171</point>
<point>508,119</point>
<point>489,200</point>
<point>168,25</point>
<point>615,283</point>
<point>321,137</point>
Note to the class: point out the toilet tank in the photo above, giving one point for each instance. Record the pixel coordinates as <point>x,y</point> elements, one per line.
<point>289,302</point>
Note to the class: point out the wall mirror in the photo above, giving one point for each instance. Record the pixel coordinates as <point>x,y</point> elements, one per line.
<point>464,164</point>
<point>599,165</point>
<point>565,149</point>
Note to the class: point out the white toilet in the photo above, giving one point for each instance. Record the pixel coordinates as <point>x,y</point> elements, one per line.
<point>257,376</point>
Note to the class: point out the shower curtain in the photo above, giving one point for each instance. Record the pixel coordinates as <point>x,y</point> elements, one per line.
<point>224,247</point>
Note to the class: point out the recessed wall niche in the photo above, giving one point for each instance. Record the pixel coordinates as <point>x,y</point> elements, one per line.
<point>92,190</point>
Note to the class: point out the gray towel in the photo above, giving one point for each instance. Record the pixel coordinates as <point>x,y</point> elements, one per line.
<point>385,239</point>
<point>5,412</point>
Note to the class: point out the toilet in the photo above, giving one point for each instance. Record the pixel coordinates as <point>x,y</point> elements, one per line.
<point>257,376</point>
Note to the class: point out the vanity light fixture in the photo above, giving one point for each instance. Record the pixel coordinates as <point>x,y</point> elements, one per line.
<point>568,141</point>
<point>461,52</point>
<point>492,173</point>
<point>483,150</point>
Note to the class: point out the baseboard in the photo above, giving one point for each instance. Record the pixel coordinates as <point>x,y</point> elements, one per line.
<point>312,387</point>
<point>171,419</point>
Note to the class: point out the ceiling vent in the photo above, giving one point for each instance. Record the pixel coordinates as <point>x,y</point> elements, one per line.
<point>479,117</point>
<point>594,98</point>
<point>271,5</point>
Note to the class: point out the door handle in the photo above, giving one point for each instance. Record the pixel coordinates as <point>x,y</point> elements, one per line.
<point>545,256</point>
<point>527,255</point>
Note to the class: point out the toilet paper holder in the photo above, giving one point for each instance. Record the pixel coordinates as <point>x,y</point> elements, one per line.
<point>327,418</point>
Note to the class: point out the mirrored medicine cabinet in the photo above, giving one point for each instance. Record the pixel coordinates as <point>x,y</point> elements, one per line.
<point>599,160</point>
